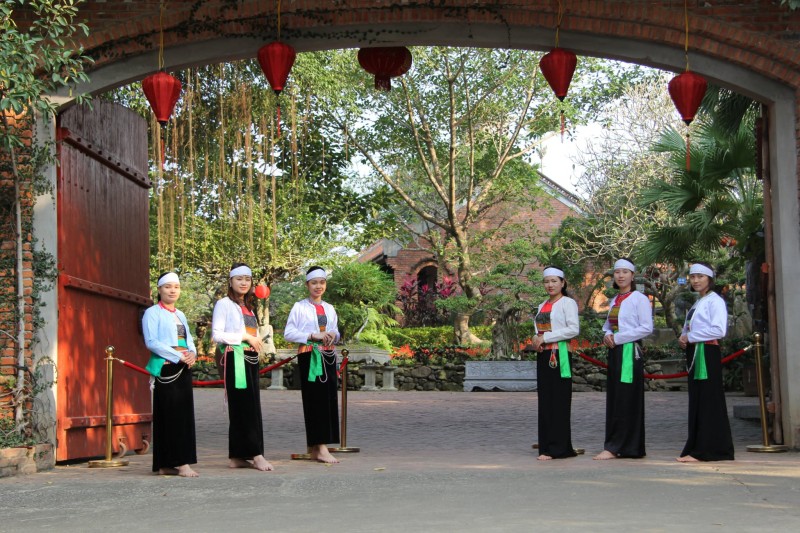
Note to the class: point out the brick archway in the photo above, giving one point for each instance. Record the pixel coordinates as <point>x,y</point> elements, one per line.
<point>750,48</point>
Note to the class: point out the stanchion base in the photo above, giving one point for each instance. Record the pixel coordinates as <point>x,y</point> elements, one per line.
<point>113,463</point>
<point>772,448</point>
<point>346,449</point>
<point>301,457</point>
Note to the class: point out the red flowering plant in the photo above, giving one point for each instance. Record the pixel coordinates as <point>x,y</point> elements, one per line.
<point>418,301</point>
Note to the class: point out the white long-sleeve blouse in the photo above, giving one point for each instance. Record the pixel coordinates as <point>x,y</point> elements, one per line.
<point>302,322</point>
<point>709,321</point>
<point>227,322</point>
<point>635,319</point>
<point>564,320</point>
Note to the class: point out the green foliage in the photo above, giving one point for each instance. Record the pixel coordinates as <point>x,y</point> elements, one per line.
<point>718,197</point>
<point>10,437</point>
<point>42,58</point>
<point>792,4</point>
<point>363,296</point>
<point>442,335</point>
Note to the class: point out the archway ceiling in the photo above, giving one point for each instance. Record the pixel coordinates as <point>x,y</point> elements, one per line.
<point>760,36</point>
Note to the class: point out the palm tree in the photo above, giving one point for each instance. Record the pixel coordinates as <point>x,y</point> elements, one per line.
<point>719,199</point>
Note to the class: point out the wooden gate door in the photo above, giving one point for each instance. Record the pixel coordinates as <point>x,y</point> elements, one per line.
<point>103,261</point>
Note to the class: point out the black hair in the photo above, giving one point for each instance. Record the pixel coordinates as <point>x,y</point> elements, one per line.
<point>633,281</point>
<point>712,286</point>
<point>158,298</point>
<point>313,268</point>
<point>564,288</point>
<point>250,295</point>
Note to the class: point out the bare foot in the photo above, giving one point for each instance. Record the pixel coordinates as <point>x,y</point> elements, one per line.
<point>168,471</point>
<point>687,459</point>
<point>259,463</point>
<point>323,455</point>
<point>186,471</point>
<point>239,463</point>
<point>544,457</point>
<point>604,455</point>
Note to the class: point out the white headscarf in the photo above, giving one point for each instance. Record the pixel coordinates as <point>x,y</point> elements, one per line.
<point>624,263</point>
<point>169,277</point>
<point>316,273</point>
<point>552,271</point>
<point>697,268</point>
<point>243,270</point>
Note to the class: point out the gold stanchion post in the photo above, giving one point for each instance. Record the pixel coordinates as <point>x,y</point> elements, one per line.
<point>343,448</point>
<point>108,462</point>
<point>765,447</point>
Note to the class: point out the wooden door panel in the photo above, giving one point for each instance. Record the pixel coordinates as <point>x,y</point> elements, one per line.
<point>103,260</point>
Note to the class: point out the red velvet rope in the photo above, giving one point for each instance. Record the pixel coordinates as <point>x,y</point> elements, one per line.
<point>726,359</point>
<point>199,383</point>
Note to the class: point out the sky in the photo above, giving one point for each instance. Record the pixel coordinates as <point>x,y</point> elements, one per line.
<point>556,156</point>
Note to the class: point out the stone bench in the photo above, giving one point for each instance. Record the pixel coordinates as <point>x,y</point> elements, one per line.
<point>512,376</point>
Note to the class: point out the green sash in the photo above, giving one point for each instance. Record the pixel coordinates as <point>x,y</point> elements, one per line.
<point>239,374</point>
<point>315,366</point>
<point>700,371</point>
<point>156,362</point>
<point>626,375</point>
<point>563,359</point>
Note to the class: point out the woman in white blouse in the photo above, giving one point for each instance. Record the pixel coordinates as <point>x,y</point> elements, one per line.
<point>629,320</point>
<point>234,327</point>
<point>706,323</point>
<point>313,325</point>
<point>556,323</point>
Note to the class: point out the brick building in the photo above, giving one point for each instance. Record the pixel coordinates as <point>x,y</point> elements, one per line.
<point>415,258</point>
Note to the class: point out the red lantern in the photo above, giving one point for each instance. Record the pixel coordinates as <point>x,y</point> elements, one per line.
<point>162,91</point>
<point>558,66</point>
<point>276,60</point>
<point>262,292</point>
<point>687,91</point>
<point>385,62</point>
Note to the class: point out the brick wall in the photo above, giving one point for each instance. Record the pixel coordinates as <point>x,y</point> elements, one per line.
<point>8,273</point>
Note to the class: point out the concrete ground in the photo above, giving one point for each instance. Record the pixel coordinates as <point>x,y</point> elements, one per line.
<point>429,461</point>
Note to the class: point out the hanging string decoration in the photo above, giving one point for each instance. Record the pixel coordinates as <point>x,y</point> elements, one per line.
<point>558,67</point>
<point>276,60</point>
<point>687,90</point>
<point>161,89</point>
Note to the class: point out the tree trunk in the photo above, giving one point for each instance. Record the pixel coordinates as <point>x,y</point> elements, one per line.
<point>464,336</point>
<point>505,335</point>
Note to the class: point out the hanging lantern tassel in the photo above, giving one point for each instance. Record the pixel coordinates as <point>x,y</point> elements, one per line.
<point>163,150</point>
<point>688,151</point>
<point>278,125</point>
<point>562,126</point>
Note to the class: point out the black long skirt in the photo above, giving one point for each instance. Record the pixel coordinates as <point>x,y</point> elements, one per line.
<point>246,429</point>
<point>624,408</point>
<point>555,404</point>
<point>320,404</point>
<point>174,442</point>
<point>709,428</point>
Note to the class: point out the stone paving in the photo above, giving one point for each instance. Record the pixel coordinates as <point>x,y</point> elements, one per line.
<point>429,461</point>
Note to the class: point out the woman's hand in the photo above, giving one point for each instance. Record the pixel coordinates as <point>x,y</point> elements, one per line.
<point>608,340</point>
<point>683,341</point>
<point>189,358</point>
<point>253,341</point>
<point>538,340</point>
